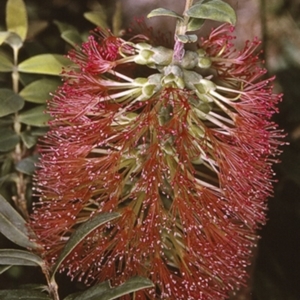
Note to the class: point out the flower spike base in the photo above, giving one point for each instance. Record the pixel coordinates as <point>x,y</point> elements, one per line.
<point>181,148</point>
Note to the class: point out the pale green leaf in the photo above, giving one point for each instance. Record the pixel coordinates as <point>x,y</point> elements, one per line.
<point>216,10</point>
<point>98,18</point>
<point>39,90</point>
<point>16,18</point>
<point>28,139</point>
<point>10,102</point>
<point>80,234</point>
<point>6,65</point>
<point>72,37</point>
<point>49,64</point>
<point>3,36</point>
<point>195,24</point>
<point>15,257</point>
<point>27,165</point>
<point>163,12</point>
<point>23,294</point>
<point>14,227</point>
<point>104,291</point>
<point>35,116</point>
<point>69,33</point>
<point>8,139</point>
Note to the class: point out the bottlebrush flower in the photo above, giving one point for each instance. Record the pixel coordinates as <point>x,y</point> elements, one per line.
<point>183,151</point>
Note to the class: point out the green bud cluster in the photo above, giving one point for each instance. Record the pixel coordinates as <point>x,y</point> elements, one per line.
<point>181,75</point>
<point>156,57</point>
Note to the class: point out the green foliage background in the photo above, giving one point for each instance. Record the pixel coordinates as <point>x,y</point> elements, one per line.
<point>54,27</point>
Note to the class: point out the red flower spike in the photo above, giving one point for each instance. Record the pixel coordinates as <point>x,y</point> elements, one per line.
<point>185,159</point>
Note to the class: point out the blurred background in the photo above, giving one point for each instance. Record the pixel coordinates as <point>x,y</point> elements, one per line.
<point>275,273</point>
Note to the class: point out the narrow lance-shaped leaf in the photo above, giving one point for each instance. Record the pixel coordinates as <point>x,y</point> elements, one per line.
<point>13,226</point>
<point>16,18</point>
<point>163,12</point>
<point>216,10</point>
<point>98,289</point>
<point>23,294</point>
<point>19,258</point>
<point>72,296</point>
<point>105,292</point>
<point>3,269</point>
<point>79,235</point>
<point>49,64</point>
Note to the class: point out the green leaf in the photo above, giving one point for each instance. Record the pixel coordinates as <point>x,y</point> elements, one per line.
<point>39,131</point>
<point>35,116</point>
<point>97,17</point>
<point>96,290</point>
<point>39,90</point>
<point>3,36</point>
<point>195,24</point>
<point>5,64</point>
<point>8,139</point>
<point>14,227</point>
<point>104,291</point>
<point>49,64</point>
<point>27,165</point>
<point>16,18</point>
<point>10,102</point>
<point>4,269</point>
<point>72,296</point>
<point>28,139</point>
<point>23,294</point>
<point>163,12</point>
<point>69,33</point>
<point>72,37</point>
<point>14,257</point>
<point>80,234</point>
<point>7,167</point>
<point>216,10</point>
<point>11,177</point>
